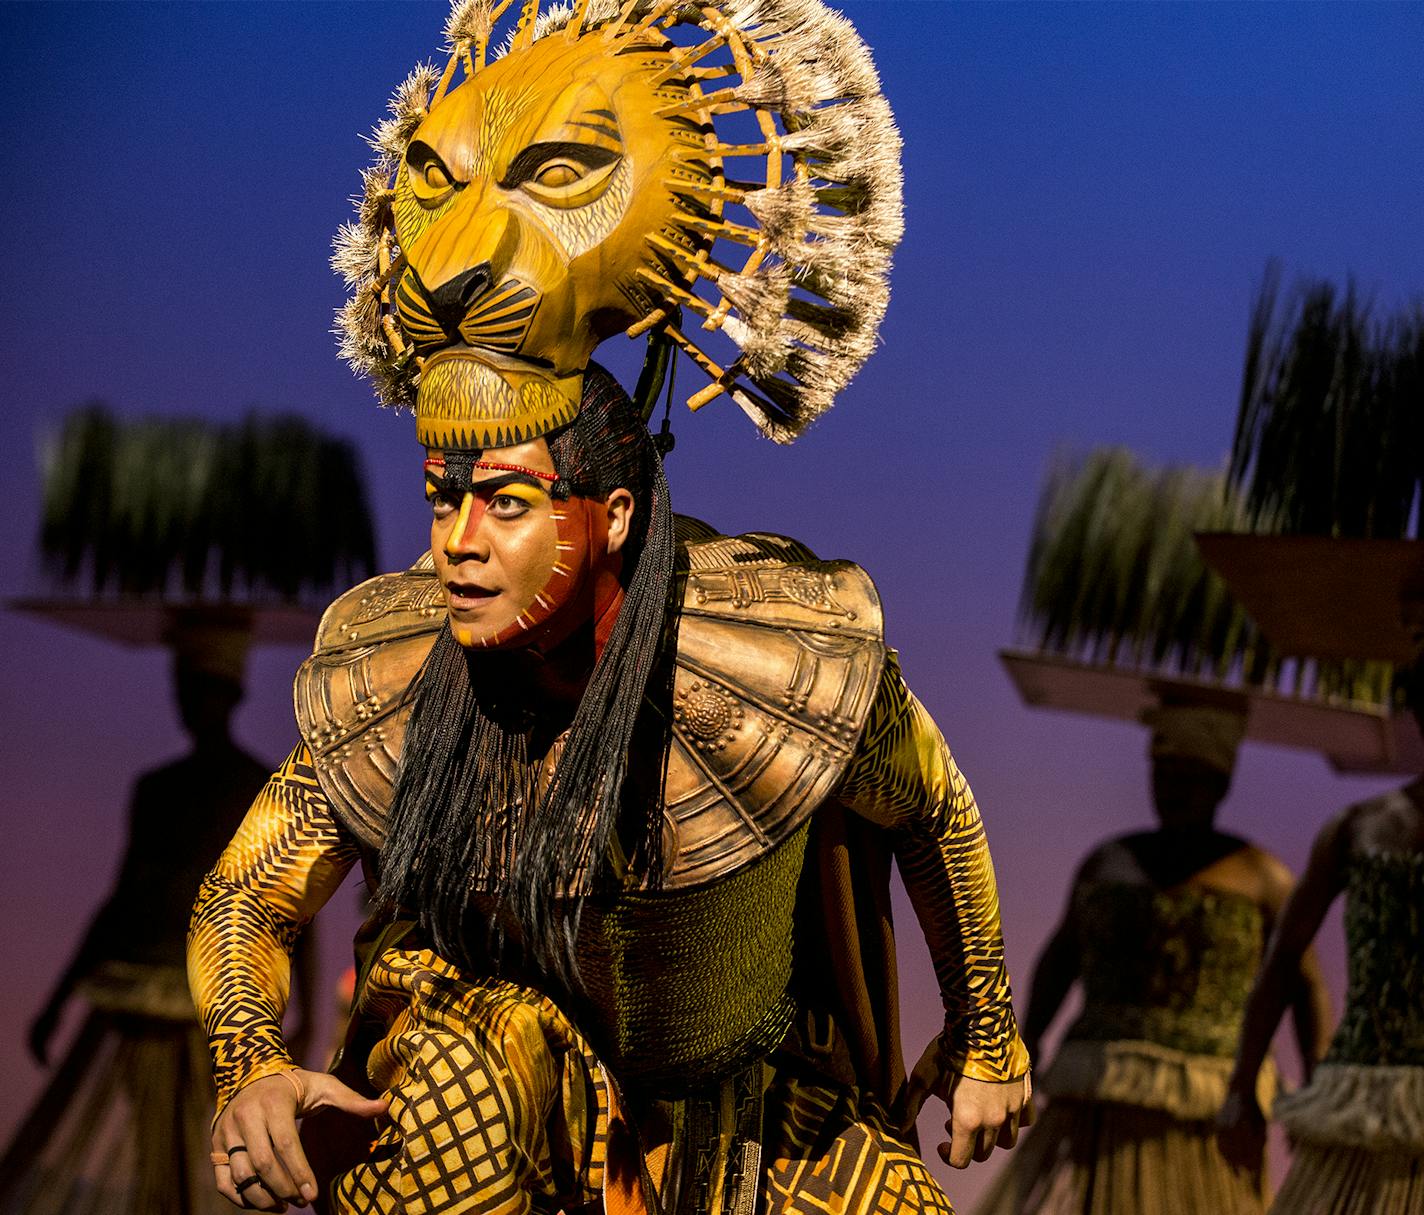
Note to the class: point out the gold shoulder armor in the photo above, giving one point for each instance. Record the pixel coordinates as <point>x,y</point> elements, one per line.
<point>351,693</point>
<point>778,662</point>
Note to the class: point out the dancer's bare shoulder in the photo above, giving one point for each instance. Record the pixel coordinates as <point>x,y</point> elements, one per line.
<point>1252,871</point>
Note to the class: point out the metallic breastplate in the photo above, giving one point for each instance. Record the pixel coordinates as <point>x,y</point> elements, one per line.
<point>778,660</point>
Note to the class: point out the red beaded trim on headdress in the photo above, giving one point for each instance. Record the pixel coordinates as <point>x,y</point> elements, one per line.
<point>491,466</point>
<point>519,468</point>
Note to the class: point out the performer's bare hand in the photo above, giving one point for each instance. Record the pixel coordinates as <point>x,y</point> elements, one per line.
<point>1241,1130</point>
<point>981,1114</point>
<point>257,1132</point>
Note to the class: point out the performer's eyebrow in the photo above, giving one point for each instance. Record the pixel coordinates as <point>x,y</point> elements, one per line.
<point>489,486</point>
<point>509,478</point>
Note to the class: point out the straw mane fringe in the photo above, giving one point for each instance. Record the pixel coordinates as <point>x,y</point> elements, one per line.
<point>805,311</point>
<point>469,21</point>
<point>408,107</point>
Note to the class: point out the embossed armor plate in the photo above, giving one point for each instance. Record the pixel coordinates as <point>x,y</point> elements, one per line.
<point>778,660</point>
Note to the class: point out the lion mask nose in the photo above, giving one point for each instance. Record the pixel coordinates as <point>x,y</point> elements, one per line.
<point>450,302</point>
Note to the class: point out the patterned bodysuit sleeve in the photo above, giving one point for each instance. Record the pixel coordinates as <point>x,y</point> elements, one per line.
<point>286,859</point>
<point>904,779</point>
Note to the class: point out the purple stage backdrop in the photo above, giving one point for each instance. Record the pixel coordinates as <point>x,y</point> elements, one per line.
<point>1092,194</point>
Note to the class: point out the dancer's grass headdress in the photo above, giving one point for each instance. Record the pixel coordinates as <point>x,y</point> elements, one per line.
<point>1330,434</point>
<point>1120,614</point>
<point>265,508</point>
<point>251,524</point>
<point>1329,451</point>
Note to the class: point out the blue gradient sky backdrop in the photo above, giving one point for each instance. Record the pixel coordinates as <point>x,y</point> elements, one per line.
<point>1092,194</point>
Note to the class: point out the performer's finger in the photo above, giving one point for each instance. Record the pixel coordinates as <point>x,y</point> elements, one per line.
<point>222,1172</point>
<point>253,1194</point>
<point>287,1150</point>
<point>326,1091</point>
<point>263,1160</point>
<point>984,1143</point>
<point>1009,1132</point>
<point>960,1149</point>
<point>222,1178</point>
<point>247,1185</point>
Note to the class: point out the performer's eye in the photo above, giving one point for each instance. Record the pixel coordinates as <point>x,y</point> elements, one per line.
<point>441,505</point>
<point>507,506</point>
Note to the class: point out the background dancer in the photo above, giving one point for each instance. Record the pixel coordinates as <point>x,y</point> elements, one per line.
<point>1326,450</point>
<point>145,529</point>
<point>1164,929</point>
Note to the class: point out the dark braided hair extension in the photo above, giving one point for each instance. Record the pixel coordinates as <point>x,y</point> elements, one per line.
<point>465,819</point>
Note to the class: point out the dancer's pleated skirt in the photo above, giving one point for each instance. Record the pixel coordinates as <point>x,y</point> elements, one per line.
<point>1357,1133</point>
<point>122,1128</point>
<point>1105,1158</point>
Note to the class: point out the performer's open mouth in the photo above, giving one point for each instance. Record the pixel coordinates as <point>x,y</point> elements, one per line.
<point>466,595</point>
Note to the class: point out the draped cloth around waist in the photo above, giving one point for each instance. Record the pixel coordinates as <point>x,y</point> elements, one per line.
<point>680,988</point>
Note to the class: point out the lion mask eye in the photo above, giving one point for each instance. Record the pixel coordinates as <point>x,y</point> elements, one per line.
<point>564,175</point>
<point>555,174</point>
<point>430,179</point>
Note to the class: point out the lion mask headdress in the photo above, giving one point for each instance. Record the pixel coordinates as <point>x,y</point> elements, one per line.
<point>620,165</point>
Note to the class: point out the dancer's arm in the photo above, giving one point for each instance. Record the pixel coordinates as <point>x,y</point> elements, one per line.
<point>1053,976</point>
<point>1311,1014</point>
<point>287,858</point>
<point>904,779</point>
<point>1241,1121</point>
<point>1309,1000</point>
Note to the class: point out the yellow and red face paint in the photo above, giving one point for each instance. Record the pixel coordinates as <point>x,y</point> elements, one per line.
<point>567,582</point>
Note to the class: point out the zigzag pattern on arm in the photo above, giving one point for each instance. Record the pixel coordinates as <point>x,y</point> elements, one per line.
<point>286,859</point>
<point>905,779</point>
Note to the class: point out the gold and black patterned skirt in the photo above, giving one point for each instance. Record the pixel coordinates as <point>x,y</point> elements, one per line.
<point>500,1106</point>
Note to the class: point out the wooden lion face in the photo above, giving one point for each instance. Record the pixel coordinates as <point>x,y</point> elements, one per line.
<point>623,165</point>
<point>524,208</point>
